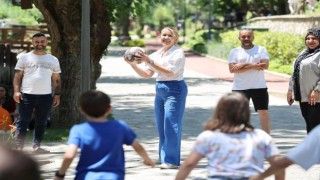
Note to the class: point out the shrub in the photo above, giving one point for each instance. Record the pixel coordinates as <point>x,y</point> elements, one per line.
<point>134,43</point>
<point>197,46</point>
<point>202,35</point>
<point>200,47</point>
<point>200,38</point>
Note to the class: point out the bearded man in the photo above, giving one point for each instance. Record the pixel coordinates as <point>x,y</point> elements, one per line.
<point>37,86</point>
<point>248,63</point>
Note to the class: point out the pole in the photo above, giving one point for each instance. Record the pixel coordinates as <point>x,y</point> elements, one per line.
<point>209,22</point>
<point>184,22</point>
<point>85,46</point>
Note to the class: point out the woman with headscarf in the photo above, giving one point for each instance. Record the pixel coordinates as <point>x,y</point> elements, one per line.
<point>304,83</point>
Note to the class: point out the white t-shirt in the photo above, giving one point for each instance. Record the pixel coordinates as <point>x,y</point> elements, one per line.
<point>38,70</point>
<point>235,155</point>
<point>251,79</point>
<point>174,60</point>
<point>307,153</point>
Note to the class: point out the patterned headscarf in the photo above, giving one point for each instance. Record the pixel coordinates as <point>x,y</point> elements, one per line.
<point>313,31</point>
<point>306,53</point>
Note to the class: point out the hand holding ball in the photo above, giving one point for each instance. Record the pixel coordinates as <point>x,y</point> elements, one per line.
<point>132,54</point>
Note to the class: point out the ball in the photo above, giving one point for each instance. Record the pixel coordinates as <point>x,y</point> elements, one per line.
<point>132,53</point>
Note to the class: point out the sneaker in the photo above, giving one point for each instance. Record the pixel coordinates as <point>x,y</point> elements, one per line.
<point>168,166</point>
<point>40,151</point>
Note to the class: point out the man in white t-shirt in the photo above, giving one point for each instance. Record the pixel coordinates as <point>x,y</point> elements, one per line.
<point>248,63</point>
<point>37,86</point>
<point>305,154</point>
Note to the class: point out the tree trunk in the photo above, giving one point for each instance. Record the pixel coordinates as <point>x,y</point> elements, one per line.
<point>64,24</point>
<point>282,6</point>
<point>244,6</point>
<point>123,23</point>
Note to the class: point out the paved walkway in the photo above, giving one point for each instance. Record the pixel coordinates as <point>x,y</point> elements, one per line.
<point>132,99</point>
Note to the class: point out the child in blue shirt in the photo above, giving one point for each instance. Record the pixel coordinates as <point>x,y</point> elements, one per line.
<point>101,142</point>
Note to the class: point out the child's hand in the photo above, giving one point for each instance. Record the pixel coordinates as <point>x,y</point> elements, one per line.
<point>149,162</point>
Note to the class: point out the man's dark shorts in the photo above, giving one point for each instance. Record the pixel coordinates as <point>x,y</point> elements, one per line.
<point>260,97</point>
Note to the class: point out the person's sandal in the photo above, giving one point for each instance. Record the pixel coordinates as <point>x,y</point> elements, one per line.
<point>40,151</point>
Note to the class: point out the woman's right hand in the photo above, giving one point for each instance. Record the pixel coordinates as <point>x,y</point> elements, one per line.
<point>289,98</point>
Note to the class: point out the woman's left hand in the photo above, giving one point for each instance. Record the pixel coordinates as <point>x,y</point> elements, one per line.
<point>144,57</point>
<point>313,97</point>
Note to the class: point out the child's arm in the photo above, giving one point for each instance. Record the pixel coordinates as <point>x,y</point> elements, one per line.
<point>142,152</point>
<point>278,164</point>
<point>188,165</point>
<point>67,160</point>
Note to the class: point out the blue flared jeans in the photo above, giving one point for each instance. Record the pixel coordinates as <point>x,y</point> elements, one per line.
<point>170,103</point>
<point>42,105</point>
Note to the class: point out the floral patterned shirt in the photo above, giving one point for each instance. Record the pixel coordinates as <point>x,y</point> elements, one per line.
<point>235,155</point>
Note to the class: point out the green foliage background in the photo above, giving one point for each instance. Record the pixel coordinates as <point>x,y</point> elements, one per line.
<point>18,15</point>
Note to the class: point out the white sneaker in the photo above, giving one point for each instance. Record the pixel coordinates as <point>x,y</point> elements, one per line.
<point>168,166</point>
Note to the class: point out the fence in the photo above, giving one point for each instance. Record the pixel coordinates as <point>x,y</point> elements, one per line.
<point>16,38</point>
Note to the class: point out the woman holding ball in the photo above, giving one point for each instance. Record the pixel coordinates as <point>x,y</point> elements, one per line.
<point>171,92</point>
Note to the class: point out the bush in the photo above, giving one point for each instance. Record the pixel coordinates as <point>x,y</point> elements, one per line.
<point>200,38</point>
<point>202,35</point>
<point>197,46</point>
<point>200,47</point>
<point>134,43</point>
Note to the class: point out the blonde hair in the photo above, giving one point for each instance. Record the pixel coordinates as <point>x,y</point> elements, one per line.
<point>174,32</point>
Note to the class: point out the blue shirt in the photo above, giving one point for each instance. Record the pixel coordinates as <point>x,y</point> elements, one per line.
<point>102,154</point>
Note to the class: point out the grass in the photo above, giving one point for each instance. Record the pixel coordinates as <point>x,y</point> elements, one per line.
<point>52,135</point>
<point>218,50</point>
